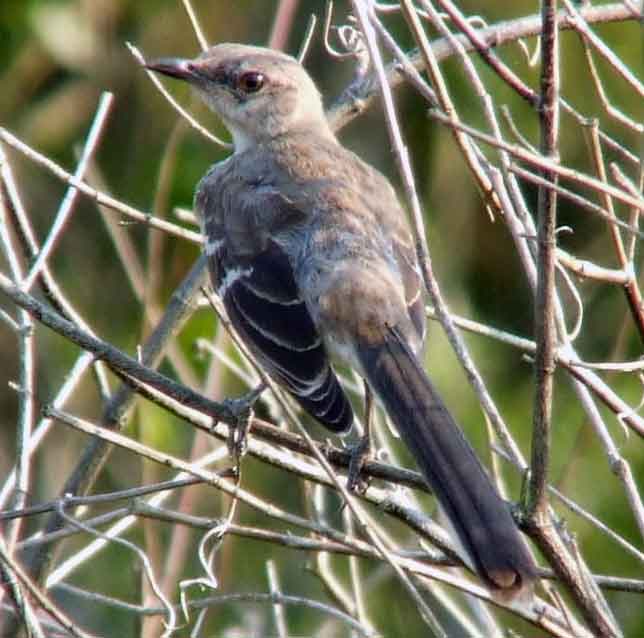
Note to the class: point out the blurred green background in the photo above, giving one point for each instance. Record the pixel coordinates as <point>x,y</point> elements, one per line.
<point>56,57</point>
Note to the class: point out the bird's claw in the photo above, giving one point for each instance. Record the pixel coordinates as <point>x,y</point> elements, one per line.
<point>242,409</point>
<point>360,452</point>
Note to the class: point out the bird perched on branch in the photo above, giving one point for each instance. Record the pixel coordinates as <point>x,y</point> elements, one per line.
<point>310,251</point>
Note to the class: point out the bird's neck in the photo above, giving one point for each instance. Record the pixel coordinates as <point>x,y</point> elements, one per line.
<point>243,140</point>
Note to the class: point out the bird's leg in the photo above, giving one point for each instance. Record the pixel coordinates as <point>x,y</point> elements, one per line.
<point>362,449</point>
<point>242,408</point>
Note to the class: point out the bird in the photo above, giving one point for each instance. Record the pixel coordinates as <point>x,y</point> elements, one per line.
<point>311,253</point>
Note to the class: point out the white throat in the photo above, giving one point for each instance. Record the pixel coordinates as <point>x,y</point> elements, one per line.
<point>241,140</point>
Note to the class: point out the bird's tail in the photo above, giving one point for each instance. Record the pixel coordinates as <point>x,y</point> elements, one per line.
<point>480,517</point>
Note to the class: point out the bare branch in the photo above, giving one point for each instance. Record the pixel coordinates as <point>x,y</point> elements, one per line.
<point>100,198</point>
<point>545,330</point>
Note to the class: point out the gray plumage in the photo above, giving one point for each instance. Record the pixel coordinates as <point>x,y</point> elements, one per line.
<point>310,252</point>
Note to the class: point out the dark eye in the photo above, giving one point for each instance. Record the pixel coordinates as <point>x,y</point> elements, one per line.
<point>250,82</point>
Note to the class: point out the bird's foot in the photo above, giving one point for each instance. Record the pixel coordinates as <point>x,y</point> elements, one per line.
<point>242,409</point>
<point>360,452</point>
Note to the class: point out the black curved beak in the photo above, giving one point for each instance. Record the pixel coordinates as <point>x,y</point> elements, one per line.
<point>173,67</point>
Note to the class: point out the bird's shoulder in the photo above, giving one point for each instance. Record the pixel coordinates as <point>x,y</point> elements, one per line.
<point>246,201</point>
<point>296,169</point>
<point>297,180</point>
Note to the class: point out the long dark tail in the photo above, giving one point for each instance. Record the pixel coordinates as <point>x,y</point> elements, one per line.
<point>480,517</point>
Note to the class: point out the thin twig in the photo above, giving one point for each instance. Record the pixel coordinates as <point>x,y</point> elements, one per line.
<point>111,203</point>
<point>96,452</point>
<point>430,280</point>
<point>124,522</point>
<point>175,105</point>
<point>40,597</point>
<point>544,163</point>
<point>112,356</point>
<point>196,27</point>
<point>353,104</point>
<point>171,623</point>
<point>544,315</point>
<point>27,360</point>
<point>307,39</point>
<point>580,201</point>
<point>611,110</point>
<point>579,24</point>
<point>278,609</point>
<point>66,207</point>
<point>282,24</point>
<point>95,499</point>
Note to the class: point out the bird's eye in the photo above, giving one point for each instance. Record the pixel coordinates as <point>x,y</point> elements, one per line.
<point>250,82</point>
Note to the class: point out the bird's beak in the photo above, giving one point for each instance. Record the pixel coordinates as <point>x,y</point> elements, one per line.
<point>174,67</point>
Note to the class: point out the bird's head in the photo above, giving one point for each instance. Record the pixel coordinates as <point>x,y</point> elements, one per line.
<point>258,93</point>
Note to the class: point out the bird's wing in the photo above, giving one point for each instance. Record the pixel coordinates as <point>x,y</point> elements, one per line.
<point>261,297</point>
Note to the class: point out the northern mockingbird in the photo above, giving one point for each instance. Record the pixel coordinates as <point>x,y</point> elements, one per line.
<point>310,251</point>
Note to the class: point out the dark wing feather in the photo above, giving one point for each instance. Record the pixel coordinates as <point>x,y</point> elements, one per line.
<point>262,301</point>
